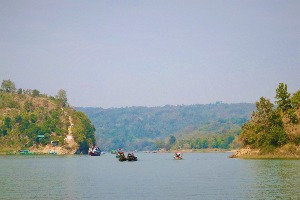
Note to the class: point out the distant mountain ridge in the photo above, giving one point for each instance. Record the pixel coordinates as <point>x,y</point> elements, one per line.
<point>141,127</point>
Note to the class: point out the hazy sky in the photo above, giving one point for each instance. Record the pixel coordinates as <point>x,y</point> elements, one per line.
<point>151,53</point>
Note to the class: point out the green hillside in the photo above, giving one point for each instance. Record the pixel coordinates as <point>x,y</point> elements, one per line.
<point>35,121</point>
<point>147,128</point>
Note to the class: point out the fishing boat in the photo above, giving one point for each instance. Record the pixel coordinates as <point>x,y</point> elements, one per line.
<point>25,152</point>
<point>122,157</point>
<point>94,151</point>
<point>131,157</point>
<point>119,153</point>
<point>113,152</point>
<point>178,156</point>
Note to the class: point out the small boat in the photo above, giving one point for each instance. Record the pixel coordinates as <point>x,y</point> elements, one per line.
<point>119,153</point>
<point>131,157</point>
<point>122,157</point>
<point>178,156</point>
<point>25,152</point>
<point>113,152</point>
<point>94,151</point>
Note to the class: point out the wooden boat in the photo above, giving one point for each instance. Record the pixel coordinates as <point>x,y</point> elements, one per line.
<point>94,151</point>
<point>113,152</point>
<point>119,153</point>
<point>131,157</point>
<point>178,156</point>
<point>122,157</point>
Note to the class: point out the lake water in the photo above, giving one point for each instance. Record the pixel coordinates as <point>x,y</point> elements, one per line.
<point>154,176</point>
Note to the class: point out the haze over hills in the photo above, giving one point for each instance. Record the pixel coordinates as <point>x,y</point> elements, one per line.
<point>151,127</point>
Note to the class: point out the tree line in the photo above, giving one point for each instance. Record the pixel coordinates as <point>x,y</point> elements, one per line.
<point>273,125</point>
<point>149,128</point>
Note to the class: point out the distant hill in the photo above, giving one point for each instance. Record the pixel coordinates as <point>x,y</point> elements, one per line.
<point>34,121</point>
<point>145,127</point>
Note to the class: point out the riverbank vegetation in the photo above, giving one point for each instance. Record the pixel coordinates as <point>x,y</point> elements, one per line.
<point>273,129</point>
<point>31,120</point>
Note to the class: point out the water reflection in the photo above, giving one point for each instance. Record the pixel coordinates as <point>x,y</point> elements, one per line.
<point>274,179</point>
<point>154,176</point>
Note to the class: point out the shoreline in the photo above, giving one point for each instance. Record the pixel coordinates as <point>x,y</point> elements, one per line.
<point>199,151</point>
<point>285,152</point>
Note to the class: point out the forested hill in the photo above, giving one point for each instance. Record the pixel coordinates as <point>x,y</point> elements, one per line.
<point>148,127</point>
<point>35,121</point>
<point>273,130</point>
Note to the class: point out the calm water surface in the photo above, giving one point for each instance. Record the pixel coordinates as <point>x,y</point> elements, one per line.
<point>154,176</point>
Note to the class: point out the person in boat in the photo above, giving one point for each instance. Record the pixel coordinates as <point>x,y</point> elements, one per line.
<point>131,157</point>
<point>178,155</point>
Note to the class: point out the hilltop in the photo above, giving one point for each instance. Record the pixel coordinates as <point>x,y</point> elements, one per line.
<point>40,123</point>
<point>273,131</point>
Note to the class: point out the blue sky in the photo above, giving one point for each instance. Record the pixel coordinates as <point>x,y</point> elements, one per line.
<point>151,53</point>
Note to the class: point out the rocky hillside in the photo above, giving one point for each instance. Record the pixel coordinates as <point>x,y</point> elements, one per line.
<point>41,123</point>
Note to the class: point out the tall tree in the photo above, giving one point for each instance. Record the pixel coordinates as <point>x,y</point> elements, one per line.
<point>283,97</point>
<point>35,93</point>
<point>8,86</point>
<point>263,114</point>
<point>62,97</point>
<point>296,99</point>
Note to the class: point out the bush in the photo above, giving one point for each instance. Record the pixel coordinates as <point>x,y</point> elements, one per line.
<point>278,136</point>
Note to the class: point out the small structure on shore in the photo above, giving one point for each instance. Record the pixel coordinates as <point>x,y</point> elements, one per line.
<point>25,152</point>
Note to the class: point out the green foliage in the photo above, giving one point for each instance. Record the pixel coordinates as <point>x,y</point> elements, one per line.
<point>296,99</point>
<point>266,129</point>
<point>20,91</point>
<point>35,93</point>
<point>8,86</point>
<point>213,135</point>
<point>283,97</point>
<point>28,106</point>
<point>150,128</point>
<point>26,115</point>
<point>7,101</point>
<point>172,139</point>
<point>278,136</point>
<point>293,116</point>
<point>62,97</point>
<point>7,123</point>
<point>83,131</point>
